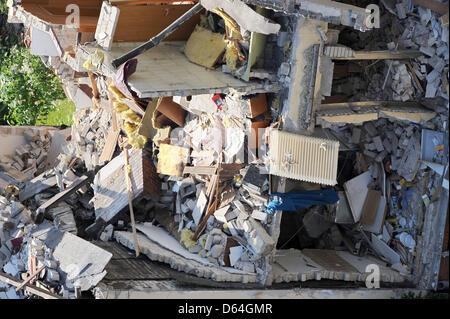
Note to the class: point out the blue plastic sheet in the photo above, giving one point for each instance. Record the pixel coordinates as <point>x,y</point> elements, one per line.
<point>295,200</point>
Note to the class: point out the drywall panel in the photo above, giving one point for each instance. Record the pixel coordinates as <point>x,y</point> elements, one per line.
<point>42,43</point>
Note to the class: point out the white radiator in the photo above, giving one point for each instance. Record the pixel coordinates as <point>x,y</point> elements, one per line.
<point>303,158</point>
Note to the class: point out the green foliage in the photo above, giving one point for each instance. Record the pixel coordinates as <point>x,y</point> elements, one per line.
<point>27,87</point>
<point>3,7</point>
<point>61,115</point>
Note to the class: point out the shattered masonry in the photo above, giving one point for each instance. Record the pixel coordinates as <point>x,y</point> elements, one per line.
<point>248,142</point>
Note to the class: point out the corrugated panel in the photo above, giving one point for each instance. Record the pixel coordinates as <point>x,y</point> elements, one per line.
<point>304,158</point>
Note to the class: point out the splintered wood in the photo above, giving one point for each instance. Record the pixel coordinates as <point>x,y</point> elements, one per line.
<point>110,145</point>
<point>127,170</point>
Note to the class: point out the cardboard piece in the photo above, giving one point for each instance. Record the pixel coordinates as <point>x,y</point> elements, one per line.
<point>171,110</point>
<point>258,105</point>
<point>380,216</point>
<point>370,208</point>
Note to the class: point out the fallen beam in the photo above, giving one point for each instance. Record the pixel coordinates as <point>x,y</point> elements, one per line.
<point>10,280</point>
<point>78,183</point>
<point>26,281</point>
<point>382,55</point>
<point>365,104</point>
<point>127,171</point>
<point>37,185</point>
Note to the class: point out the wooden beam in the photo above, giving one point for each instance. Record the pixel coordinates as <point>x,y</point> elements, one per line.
<point>79,182</point>
<point>200,170</point>
<point>202,225</point>
<point>26,281</point>
<point>419,86</point>
<point>432,5</point>
<point>10,280</point>
<point>130,200</point>
<point>383,55</point>
<point>37,185</point>
<point>212,205</point>
<point>94,89</point>
<point>110,144</point>
<point>363,104</point>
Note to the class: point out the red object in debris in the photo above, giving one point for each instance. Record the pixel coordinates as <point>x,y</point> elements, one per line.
<point>16,244</point>
<point>32,261</point>
<point>218,101</point>
<point>68,138</point>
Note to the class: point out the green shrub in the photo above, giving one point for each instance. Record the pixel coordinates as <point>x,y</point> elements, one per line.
<point>27,87</point>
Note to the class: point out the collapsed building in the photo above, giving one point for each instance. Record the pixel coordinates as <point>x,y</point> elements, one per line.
<point>230,142</point>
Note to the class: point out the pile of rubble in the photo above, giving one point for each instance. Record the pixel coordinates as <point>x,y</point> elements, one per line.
<point>30,159</point>
<point>89,133</point>
<point>415,28</point>
<point>200,178</point>
<point>236,233</point>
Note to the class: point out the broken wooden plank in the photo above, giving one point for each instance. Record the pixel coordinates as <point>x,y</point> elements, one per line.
<point>37,185</point>
<point>419,86</point>
<point>110,145</point>
<point>127,171</point>
<point>226,170</point>
<point>26,281</point>
<point>212,206</point>
<point>202,225</point>
<point>94,89</point>
<point>10,280</point>
<point>200,170</point>
<point>382,55</point>
<point>211,184</point>
<point>370,208</point>
<point>368,104</point>
<point>78,183</point>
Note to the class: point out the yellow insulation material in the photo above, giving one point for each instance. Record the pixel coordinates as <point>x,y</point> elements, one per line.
<point>129,119</point>
<point>186,238</point>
